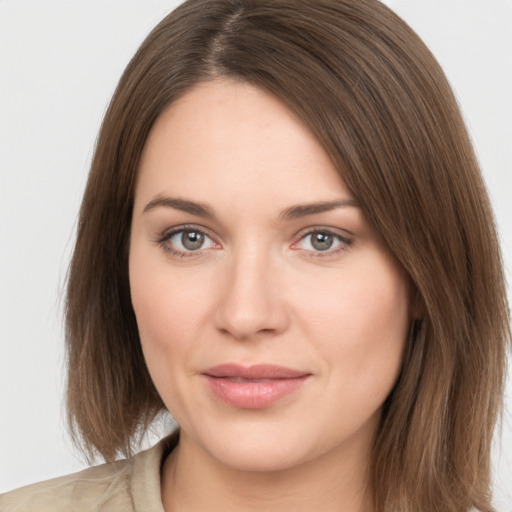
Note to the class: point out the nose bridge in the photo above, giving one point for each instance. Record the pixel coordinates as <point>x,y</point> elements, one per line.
<point>250,301</point>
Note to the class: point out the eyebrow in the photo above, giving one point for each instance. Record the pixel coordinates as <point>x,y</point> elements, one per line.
<point>290,213</point>
<point>199,209</point>
<point>303,210</point>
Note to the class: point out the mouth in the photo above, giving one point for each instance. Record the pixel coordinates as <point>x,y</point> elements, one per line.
<point>253,387</point>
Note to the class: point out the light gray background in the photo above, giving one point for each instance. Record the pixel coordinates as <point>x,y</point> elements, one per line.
<point>59,63</point>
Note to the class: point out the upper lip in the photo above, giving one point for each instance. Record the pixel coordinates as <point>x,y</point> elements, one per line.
<point>253,372</point>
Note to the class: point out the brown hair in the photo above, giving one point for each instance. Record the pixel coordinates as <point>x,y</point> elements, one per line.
<point>379,103</point>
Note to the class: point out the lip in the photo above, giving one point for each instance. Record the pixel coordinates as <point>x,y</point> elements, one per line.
<point>253,387</point>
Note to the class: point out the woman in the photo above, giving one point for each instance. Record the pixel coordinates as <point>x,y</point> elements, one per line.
<point>285,241</point>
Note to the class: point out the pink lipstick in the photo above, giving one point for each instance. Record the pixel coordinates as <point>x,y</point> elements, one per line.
<point>253,387</point>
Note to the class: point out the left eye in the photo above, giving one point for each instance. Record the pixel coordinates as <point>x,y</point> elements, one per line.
<point>189,240</point>
<point>321,241</point>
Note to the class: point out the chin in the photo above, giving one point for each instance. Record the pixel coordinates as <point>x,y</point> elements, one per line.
<point>245,446</point>
<point>267,446</point>
<point>268,456</point>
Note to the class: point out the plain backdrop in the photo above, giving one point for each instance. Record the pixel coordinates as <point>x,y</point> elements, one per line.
<point>59,63</point>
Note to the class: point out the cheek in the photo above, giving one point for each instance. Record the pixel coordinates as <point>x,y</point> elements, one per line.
<point>167,319</point>
<point>167,303</point>
<point>360,321</point>
<point>168,307</point>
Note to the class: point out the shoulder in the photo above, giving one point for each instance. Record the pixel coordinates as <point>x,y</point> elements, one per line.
<point>90,489</point>
<point>130,485</point>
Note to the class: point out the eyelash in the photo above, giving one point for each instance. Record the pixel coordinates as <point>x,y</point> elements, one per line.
<point>343,242</point>
<point>166,236</point>
<point>163,240</point>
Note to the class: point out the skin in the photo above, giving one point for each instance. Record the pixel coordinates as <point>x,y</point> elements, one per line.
<point>259,291</point>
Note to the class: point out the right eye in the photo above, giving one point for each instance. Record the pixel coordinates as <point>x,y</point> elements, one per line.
<point>186,241</point>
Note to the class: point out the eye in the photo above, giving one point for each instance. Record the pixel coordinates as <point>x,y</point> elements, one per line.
<point>184,241</point>
<point>188,240</point>
<point>322,241</point>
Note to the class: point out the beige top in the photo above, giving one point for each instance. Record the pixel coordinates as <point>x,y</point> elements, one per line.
<point>131,485</point>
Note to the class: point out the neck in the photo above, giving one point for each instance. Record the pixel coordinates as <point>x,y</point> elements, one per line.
<point>193,481</point>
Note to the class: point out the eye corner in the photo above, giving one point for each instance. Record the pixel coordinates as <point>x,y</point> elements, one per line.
<point>329,242</point>
<point>173,242</point>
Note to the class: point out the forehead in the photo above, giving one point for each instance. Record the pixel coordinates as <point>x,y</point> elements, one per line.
<point>236,140</point>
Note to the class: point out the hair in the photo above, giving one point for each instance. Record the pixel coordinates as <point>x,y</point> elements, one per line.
<point>377,100</point>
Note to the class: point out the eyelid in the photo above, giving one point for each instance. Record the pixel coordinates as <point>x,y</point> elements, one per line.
<point>345,240</point>
<point>163,238</point>
<point>344,236</point>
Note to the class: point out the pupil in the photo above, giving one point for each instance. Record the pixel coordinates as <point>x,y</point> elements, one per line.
<point>192,240</point>
<point>322,241</point>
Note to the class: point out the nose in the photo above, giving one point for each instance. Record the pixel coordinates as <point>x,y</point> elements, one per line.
<point>251,295</point>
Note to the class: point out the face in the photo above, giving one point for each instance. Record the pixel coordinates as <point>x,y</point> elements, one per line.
<point>268,311</point>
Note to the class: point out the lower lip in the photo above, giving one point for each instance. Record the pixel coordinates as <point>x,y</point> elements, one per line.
<point>253,394</point>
